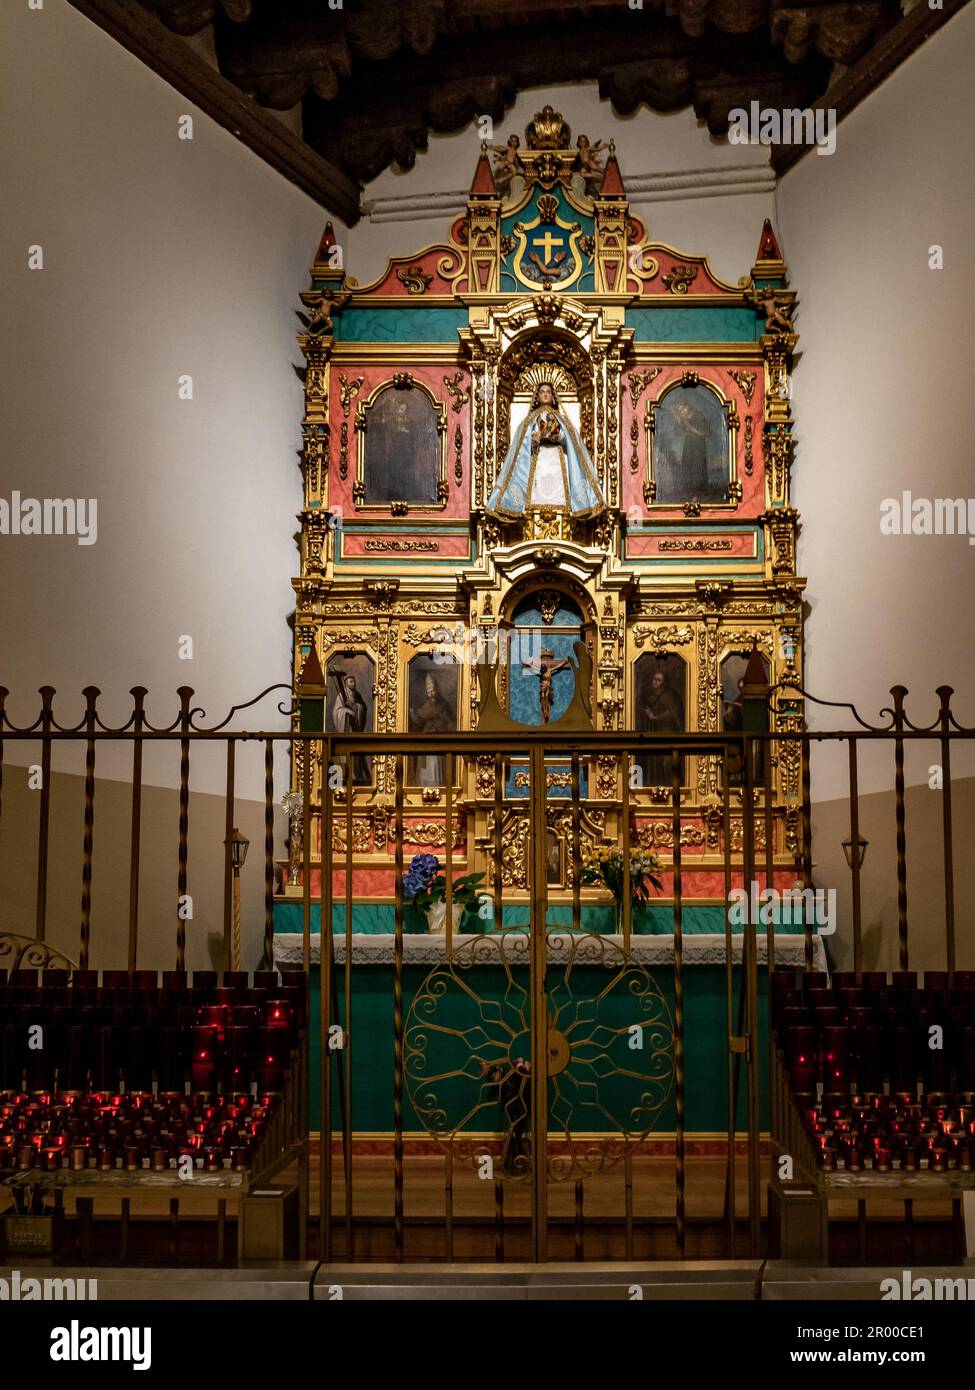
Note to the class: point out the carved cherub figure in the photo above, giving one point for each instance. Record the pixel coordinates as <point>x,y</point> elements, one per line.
<point>590,166</point>
<point>506,163</point>
<point>329,303</point>
<point>778,312</point>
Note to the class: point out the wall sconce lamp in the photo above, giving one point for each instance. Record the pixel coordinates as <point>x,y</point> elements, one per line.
<point>861,850</point>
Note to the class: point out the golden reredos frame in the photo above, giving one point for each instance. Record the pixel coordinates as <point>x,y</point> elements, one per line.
<point>399,381</point>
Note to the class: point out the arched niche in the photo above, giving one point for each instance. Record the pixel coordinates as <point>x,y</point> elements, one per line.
<point>544,355</point>
<point>542,631</point>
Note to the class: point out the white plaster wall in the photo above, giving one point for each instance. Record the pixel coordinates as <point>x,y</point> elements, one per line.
<point>883,391</point>
<point>708,218</point>
<point>161,257</point>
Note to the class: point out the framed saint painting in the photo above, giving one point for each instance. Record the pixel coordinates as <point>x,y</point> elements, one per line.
<point>401,450</point>
<point>690,446</point>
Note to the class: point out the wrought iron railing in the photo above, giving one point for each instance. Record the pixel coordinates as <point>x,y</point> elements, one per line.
<point>743,822</point>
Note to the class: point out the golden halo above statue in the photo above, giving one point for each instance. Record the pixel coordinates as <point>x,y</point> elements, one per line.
<point>532,377</point>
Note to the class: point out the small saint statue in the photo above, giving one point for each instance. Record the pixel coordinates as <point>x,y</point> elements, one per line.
<point>545,668</point>
<point>547,465</point>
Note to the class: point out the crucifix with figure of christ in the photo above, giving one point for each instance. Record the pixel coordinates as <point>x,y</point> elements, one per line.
<point>545,668</point>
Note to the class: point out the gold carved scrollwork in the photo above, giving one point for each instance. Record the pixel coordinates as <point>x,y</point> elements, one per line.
<point>660,835</point>
<point>433,834</point>
<point>680,278</point>
<point>606,773</point>
<point>361,833</point>
<point>745,382</point>
<point>657,638</point>
<point>638,382</point>
<point>347,391</point>
<point>456,390</point>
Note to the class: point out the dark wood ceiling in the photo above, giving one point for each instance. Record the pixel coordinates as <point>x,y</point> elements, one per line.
<point>374,77</point>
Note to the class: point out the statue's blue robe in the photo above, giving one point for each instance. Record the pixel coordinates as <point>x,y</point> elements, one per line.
<point>513,492</point>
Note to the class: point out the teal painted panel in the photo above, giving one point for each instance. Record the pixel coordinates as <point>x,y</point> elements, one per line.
<point>411,324</point>
<point>705,1046</point>
<point>709,324</point>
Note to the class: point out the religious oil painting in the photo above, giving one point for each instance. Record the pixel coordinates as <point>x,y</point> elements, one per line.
<point>401,450</point>
<point>691,460</point>
<point>432,694</point>
<point>350,706</point>
<point>660,703</point>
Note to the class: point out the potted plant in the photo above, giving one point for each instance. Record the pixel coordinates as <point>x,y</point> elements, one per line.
<point>607,868</point>
<point>425,888</point>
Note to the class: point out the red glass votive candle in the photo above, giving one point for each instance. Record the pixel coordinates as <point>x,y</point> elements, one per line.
<point>882,1157</point>
<point>964,1158</point>
<point>939,1159</point>
<point>802,1075</point>
<point>204,1066</point>
<point>827,1159</point>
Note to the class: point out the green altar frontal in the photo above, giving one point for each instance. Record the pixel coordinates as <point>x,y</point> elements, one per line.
<point>371,1032</point>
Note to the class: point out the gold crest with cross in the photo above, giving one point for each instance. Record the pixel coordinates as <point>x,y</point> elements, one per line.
<point>547,248</point>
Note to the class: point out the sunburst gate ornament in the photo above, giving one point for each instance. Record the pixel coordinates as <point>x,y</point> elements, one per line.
<point>467,1052</point>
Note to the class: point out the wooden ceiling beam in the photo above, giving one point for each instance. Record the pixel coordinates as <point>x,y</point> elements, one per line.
<point>864,77</point>
<point>149,40</point>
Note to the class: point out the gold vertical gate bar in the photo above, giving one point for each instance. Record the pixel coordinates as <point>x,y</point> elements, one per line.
<point>679,1096</point>
<point>496,877</point>
<point>750,985</point>
<point>325,958</point>
<point>627,885</point>
<point>729,947</point>
<point>769,827</point>
<point>538,959</point>
<point>449,851</point>
<point>347,1021</point>
<point>398,1021</point>
<point>576,846</point>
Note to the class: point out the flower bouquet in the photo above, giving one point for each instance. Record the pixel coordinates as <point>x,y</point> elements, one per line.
<point>425,888</point>
<point>607,868</point>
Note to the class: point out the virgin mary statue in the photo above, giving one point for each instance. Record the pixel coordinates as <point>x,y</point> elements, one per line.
<point>547,465</point>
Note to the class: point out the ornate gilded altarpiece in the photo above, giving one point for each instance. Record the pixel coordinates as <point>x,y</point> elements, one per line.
<point>678,386</point>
